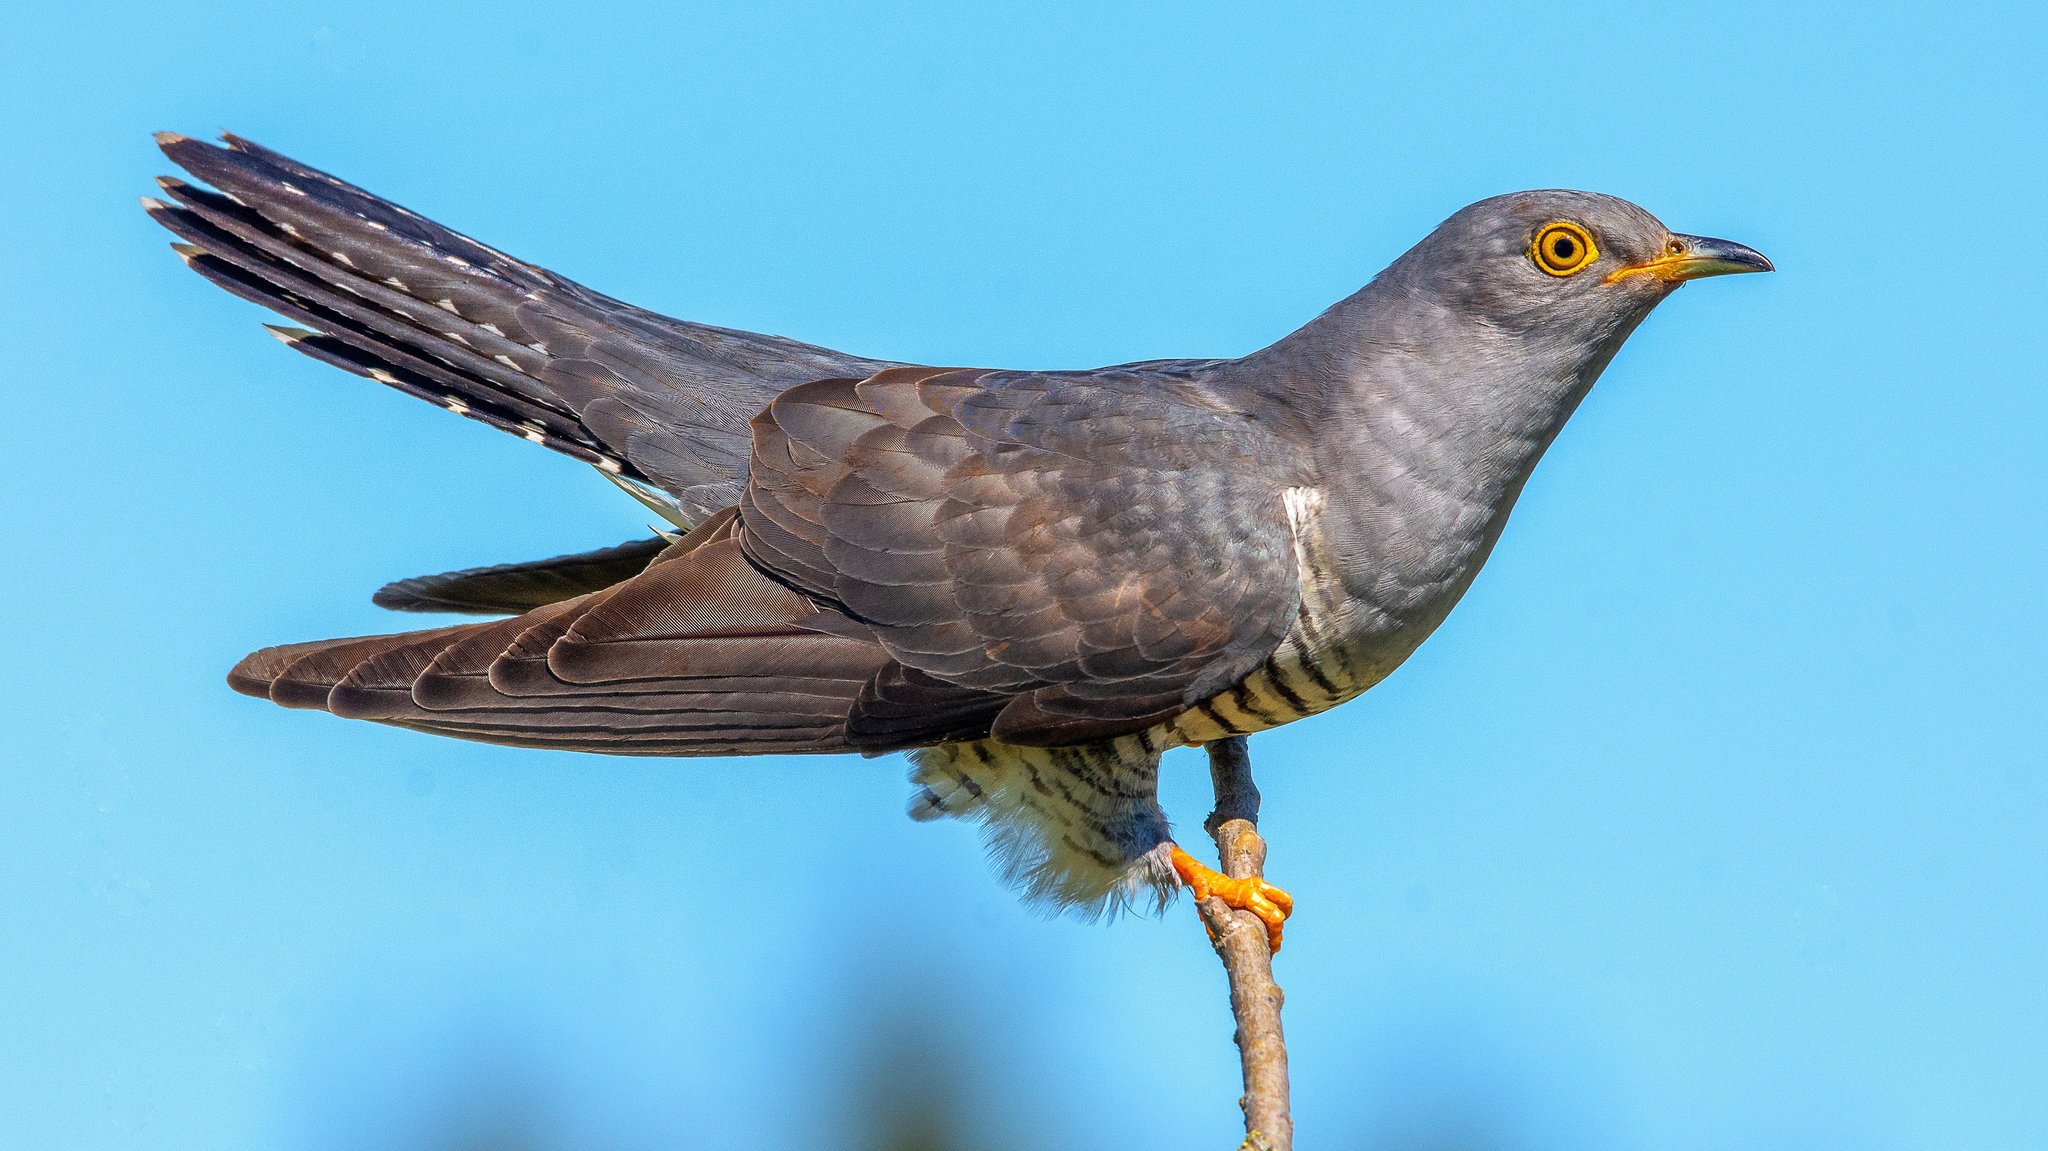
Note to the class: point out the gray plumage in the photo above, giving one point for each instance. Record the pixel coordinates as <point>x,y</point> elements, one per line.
<point>1035,581</point>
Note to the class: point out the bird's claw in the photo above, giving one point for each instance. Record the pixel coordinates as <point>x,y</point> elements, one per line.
<point>1269,903</point>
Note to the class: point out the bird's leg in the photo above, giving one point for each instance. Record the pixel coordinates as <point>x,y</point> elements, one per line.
<point>1234,824</point>
<point>1246,952</point>
<point>1252,893</point>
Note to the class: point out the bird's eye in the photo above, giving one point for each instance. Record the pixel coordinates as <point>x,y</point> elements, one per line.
<point>1561,248</point>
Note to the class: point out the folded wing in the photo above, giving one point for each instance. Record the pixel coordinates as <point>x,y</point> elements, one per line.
<point>699,654</point>
<point>1054,558</point>
<point>509,589</point>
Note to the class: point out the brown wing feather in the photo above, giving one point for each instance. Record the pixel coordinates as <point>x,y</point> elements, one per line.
<point>698,655</point>
<point>507,589</point>
<point>1066,557</point>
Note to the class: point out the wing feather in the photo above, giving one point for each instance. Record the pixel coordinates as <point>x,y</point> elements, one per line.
<point>700,654</point>
<point>1063,557</point>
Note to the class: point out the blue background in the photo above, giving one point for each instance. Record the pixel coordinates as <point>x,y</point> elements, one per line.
<point>1713,818</point>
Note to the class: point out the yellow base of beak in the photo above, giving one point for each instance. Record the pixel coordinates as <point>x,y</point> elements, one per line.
<point>1696,257</point>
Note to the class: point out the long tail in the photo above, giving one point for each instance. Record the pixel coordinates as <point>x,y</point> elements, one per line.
<point>395,297</point>
<point>697,655</point>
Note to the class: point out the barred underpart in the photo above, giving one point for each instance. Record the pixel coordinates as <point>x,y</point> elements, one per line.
<point>1077,828</point>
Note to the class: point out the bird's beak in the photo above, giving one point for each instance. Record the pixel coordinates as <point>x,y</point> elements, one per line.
<point>1692,257</point>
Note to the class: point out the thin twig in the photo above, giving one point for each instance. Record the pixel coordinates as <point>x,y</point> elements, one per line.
<point>1240,940</point>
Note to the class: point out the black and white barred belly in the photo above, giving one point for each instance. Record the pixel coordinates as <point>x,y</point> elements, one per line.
<point>1336,649</point>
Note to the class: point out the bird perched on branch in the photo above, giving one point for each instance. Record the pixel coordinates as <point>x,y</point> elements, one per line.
<point>1034,582</point>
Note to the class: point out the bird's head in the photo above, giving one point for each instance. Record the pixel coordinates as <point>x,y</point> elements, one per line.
<point>1568,269</point>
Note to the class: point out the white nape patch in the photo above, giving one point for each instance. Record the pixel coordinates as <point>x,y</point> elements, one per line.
<point>447,306</point>
<point>342,259</point>
<point>508,361</point>
<point>395,282</point>
<point>493,329</point>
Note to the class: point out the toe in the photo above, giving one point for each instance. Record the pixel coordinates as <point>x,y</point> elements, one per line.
<point>1281,900</point>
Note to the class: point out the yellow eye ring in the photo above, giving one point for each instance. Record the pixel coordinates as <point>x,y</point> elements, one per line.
<point>1562,248</point>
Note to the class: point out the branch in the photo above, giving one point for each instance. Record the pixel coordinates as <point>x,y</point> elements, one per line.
<point>1240,940</point>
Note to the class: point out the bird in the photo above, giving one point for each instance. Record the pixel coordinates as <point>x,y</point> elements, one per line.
<point>1035,583</point>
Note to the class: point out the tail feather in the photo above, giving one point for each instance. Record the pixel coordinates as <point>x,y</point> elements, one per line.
<point>214,223</point>
<point>385,347</point>
<point>395,297</point>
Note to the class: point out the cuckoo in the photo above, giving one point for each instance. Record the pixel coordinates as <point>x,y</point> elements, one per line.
<point>1034,582</point>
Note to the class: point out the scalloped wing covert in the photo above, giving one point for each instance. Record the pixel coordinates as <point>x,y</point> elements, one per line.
<point>1062,556</point>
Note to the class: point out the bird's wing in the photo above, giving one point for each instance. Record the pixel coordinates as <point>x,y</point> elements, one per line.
<point>390,295</point>
<point>699,654</point>
<point>1050,558</point>
<point>508,589</point>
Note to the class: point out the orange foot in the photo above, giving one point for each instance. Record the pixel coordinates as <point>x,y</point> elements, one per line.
<point>1262,899</point>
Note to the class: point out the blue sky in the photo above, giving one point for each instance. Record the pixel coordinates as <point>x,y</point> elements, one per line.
<point>1713,817</point>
